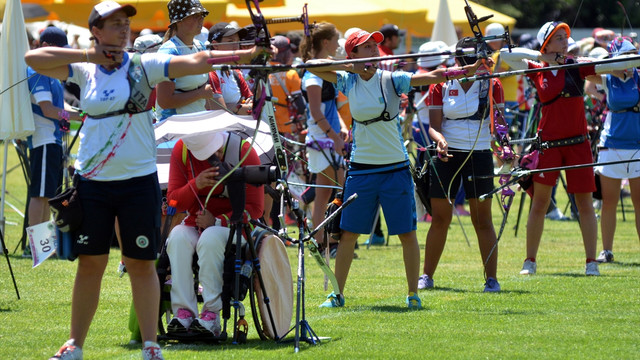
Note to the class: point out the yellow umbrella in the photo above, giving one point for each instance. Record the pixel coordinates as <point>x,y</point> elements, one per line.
<point>344,14</point>
<point>151,14</point>
<point>424,27</point>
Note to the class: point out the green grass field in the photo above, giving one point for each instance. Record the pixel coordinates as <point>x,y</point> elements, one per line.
<point>557,314</point>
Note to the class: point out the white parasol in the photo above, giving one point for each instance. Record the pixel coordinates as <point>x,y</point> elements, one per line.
<point>16,118</point>
<point>182,126</point>
<point>443,29</point>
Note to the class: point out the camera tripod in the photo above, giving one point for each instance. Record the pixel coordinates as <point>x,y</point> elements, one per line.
<point>302,328</point>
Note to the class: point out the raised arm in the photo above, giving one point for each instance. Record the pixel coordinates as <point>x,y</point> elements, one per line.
<point>441,75</point>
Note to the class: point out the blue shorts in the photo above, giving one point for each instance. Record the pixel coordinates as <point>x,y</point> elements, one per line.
<point>135,202</point>
<point>393,190</point>
<point>46,170</point>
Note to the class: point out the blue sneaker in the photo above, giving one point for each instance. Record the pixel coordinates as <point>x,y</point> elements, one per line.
<point>333,300</point>
<point>375,240</point>
<point>491,285</point>
<point>413,301</point>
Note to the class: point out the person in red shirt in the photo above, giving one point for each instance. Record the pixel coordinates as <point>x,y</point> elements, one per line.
<point>204,231</point>
<point>392,37</point>
<point>563,118</point>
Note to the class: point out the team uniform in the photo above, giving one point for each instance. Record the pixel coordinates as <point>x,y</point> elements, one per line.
<point>379,167</point>
<point>117,160</point>
<point>621,131</point>
<point>563,118</point>
<point>185,239</point>
<point>175,46</point>
<point>462,124</point>
<point>234,88</point>
<point>320,152</point>
<point>291,81</point>
<point>46,142</point>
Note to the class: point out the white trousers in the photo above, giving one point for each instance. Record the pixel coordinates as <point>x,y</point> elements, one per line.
<point>210,246</point>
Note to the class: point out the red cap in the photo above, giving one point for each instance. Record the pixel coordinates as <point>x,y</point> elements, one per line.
<point>359,38</point>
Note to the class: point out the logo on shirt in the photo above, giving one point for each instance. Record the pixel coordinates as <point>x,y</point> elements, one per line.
<point>107,95</point>
<point>453,92</point>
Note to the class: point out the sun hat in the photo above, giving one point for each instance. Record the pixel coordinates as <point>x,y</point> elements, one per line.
<point>203,145</point>
<point>548,30</point>
<point>360,37</point>
<point>432,47</point>
<point>180,9</point>
<point>105,9</point>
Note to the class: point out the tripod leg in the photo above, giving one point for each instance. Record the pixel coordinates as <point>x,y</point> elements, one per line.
<point>6,255</point>
<point>522,199</point>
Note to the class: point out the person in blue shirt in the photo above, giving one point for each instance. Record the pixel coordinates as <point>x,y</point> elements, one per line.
<point>45,144</point>
<point>619,141</point>
<point>379,164</point>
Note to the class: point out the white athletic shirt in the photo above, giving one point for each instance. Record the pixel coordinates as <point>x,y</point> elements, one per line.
<point>118,147</point>
<point>457,104</point>
<point>230,88</point>
<point>381,142</point>
<point>175,46</point>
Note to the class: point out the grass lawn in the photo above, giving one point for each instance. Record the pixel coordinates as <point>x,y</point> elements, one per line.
<point>557,314</point>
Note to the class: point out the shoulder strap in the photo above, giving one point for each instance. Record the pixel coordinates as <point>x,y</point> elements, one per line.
<point>233,148</point>
<point>139,87</point>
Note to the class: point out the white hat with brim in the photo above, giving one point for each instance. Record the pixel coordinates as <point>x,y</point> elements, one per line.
<point>432,47</point>
<point>203,145</point>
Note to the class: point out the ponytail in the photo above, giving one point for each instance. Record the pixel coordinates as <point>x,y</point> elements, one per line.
<point>312,44</point>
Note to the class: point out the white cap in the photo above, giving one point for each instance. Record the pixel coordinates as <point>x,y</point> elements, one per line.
<point>598,53</point>
<point>432,47</point>
<point>494,29</point>
<point>203,145</point>
<point>145,42</point>
<point>351,31</point>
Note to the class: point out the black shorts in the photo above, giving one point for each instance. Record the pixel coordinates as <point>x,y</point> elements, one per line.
<point>46,170</point>
<point>135,202</point>
<point>479,164</point>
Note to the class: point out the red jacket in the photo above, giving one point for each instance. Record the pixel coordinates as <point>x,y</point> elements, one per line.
<point>182,186</point>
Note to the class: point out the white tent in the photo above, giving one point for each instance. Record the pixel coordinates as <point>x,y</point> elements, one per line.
<point>16,117</point>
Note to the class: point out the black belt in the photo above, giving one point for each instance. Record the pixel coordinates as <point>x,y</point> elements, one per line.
<point>565,142</point>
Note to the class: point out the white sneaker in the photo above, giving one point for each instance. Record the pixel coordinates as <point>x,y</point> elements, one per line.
<point>152,351</point>
<point>605,256</point>
<point>181,322</point>
<point>556,214</point>
<point>591,269</point>
<point>208,322</point>
<point>528,268</point>
<point>425,282</point>
<point>68,351</point>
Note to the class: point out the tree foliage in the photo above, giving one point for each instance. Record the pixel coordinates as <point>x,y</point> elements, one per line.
<point>576,13</point>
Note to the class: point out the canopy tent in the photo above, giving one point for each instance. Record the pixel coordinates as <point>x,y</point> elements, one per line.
<point>458,16</point>
<point>343,14</point>
<point>151,14</point>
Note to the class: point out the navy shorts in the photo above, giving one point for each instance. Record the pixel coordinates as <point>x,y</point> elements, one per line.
<point>137,204</point>
<point>46,170</point>
<point>391,190</point>
<point>479,164</point>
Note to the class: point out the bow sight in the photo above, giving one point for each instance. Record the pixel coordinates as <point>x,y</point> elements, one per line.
<point>482,49</point>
